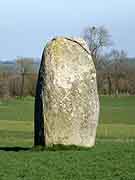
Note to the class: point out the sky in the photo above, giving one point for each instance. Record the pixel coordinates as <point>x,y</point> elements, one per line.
<point>26,25</point>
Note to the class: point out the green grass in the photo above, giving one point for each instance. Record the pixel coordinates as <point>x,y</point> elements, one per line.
<point>113,109</point>
<point>20,133</point>
<point>17,109</point>
<point>117,109</point>
<point>106,161</point>
<point>117,120</point>
<point>16,133</point>
<point>116,131</point>
<point>112,158</point>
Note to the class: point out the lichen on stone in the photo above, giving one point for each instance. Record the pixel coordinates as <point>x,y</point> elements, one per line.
<point>71,107</point>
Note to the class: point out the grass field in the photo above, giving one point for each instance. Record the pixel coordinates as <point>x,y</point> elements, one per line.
<point>113,109</point>
<point>117,109</point>
<point>17,109</point>
<point>106,161</point>
<point>117,120</point>
<point>112,158</point>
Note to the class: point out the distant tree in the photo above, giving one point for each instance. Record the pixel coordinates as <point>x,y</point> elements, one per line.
<point>4,85</point>
<point>24,67</point>
<point>4,91</point>
<point>116,64</point>
<point>97,38</point>
<point>104,74</point>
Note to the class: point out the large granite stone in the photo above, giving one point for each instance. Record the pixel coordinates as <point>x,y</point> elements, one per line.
<point>67,103</point>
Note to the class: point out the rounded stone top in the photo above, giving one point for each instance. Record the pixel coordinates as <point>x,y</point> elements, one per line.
<point>78,40</point>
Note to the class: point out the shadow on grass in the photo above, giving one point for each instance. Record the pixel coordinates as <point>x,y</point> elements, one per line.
<point>15,149</point>
<point>58,147</point>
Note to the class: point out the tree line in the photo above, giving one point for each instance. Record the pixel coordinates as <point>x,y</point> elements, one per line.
<point>20,81</point>
<point>115,70</point>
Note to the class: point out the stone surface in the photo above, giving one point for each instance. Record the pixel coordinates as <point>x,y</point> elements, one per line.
<point>68,93</point>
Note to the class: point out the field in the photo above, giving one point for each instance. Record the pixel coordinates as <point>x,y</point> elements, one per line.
<point>112,158</point>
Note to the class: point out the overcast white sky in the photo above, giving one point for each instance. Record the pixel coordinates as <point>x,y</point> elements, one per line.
<point>26,25</point>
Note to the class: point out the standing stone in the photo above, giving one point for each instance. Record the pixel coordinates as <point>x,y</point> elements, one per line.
<point>66,103</point>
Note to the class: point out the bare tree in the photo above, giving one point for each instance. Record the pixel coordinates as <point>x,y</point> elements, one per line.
<point>25,67</point>
<point>116,64</point>
<point>104,74</point>
<point>4,85</point>
<point>97,38</point>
